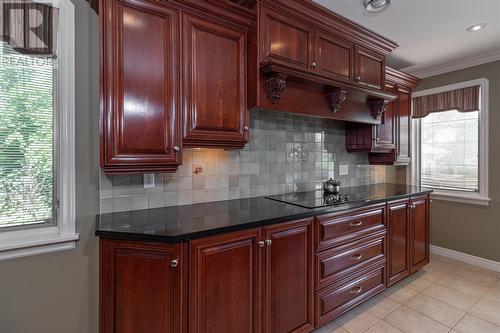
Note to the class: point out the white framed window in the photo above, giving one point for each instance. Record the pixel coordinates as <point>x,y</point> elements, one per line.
<point>450,154</point>
<point>37,137</point>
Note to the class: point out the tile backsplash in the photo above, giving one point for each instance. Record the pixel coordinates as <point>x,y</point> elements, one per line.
<point>286,153</point>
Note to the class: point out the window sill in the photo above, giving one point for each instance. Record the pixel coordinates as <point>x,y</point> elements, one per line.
<point>471,199</point>
<point>23,243</point>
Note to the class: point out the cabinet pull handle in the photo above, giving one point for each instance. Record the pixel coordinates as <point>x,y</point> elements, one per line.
<point>358,78</point>
<point>268,242</point>
<point>357,224</point>
<point>356,290</point>
<point>246,129</point>
<point>377,139</point>
<point>177,148</point>
<point>313,64</point>
<point>261,243</point>
<point>174,263</point>
<point>357,257</point>
<point>412,206</point>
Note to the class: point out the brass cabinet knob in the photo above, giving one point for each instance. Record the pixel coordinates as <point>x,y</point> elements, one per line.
<point>356,290</point>
<point>261,243</point>
<point>174,263</point>
<point>268,242</point>
<point>177,148</point>
<point>357,257</point>
<point>357,224</point>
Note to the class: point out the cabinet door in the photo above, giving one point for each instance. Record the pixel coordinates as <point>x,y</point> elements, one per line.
<point>285,39</point>
<point>140,76</point>
<point>215,105</point>
<point>398,225</point>
<point>419,232</point>
<point>225,283</point>
<point>370,68</point>
<point>334,56</point>
<point>385,133</point>
<point>140,287</point>
<point>288,278</point>
<point>404,126</point>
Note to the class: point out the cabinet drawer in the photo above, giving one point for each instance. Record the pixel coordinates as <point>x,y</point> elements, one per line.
<point>338,262</point>
<point>337,229</point>
<point>339,298</point>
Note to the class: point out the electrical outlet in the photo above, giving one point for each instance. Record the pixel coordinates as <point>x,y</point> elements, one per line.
<point>149,180</point>
<point>343,169</point>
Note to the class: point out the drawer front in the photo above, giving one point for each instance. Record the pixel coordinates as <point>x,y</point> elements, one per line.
<point>338,229</point>
<point>338,262</point>
<point>341,297</point>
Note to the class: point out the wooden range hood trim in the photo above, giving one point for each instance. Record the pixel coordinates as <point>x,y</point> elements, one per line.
<point>276,75</point>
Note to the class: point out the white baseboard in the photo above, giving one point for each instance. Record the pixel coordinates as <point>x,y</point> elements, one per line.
<point>467,258</point>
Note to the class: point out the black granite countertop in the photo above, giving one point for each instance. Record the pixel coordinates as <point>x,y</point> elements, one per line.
<point>183,223</point>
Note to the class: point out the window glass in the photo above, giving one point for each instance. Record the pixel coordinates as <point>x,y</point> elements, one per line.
<point>26,138</point>
<point>450,151</point>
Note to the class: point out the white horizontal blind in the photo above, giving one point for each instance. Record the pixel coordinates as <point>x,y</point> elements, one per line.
<point>26,138</point>
<point>450,151</point>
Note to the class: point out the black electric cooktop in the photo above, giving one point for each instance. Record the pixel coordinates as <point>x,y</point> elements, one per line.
<point>318,199</point>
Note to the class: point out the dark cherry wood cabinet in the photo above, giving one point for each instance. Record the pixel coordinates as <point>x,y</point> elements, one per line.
<point>140,87</point>
<point>142,287</point>
<point>370,68</point>
<point>333,55</point>
<point>153,100</point>
<point>215,83</point>
<point>400,84</point>
<point>225,283</point>
<point>419,232</point>
<point>285,38</point>
<point>398,233</point>
<point>288,278</point>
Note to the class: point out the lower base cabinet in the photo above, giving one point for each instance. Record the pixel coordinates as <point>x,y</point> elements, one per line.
<point>141,287</point>
<point>290,277</point>
<point>258,280</point>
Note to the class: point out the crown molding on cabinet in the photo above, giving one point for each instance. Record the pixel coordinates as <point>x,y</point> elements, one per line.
<point>453,66</point>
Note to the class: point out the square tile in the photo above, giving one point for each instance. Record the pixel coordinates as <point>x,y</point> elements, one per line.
<point>471,324</point>
<point>380,305</point>
<point>451,297</point>
<point>400,293</point>
<point>434,309</point>
<point>465,286</point>
<point>383,327</point>
<point>487,311</point>
<point>411,321</point>
<point>357,320</point>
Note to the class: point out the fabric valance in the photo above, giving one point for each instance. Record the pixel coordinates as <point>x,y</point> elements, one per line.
<point>462,100</point>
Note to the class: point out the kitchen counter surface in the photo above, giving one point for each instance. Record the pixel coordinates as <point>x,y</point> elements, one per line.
<point>182,223</point>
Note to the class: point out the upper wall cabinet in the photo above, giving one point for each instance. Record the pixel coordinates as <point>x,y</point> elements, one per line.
<point>314,62</point>
<point>215,81</point>
<point>144,119</point>
<point>140,87</point>
<point>285,39</point>
<point>370,68</point>
<point>333,55</point>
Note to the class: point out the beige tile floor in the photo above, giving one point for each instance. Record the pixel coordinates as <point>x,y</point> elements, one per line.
<point>444,296</point>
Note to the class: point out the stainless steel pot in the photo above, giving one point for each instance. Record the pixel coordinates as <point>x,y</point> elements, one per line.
<point>331,186</point>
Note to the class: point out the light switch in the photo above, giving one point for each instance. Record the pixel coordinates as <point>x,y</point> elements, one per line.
<point>343,169</point>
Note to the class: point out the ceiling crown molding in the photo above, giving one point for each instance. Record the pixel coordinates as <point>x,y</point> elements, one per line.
<point>424,72</point>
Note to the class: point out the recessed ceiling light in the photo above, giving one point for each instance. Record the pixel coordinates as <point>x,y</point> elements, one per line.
<point>476,27</point>
<point>376,5</point>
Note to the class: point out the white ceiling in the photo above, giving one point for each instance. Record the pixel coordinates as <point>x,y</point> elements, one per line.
<point>430,33</point>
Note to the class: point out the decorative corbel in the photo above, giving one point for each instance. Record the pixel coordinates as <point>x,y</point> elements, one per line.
<point>336,97</point>
<point>275,85</point>
<point>378,107</point>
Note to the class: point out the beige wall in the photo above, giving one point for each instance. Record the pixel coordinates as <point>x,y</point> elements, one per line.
<point>58,293</point>
<point>468,228</point>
